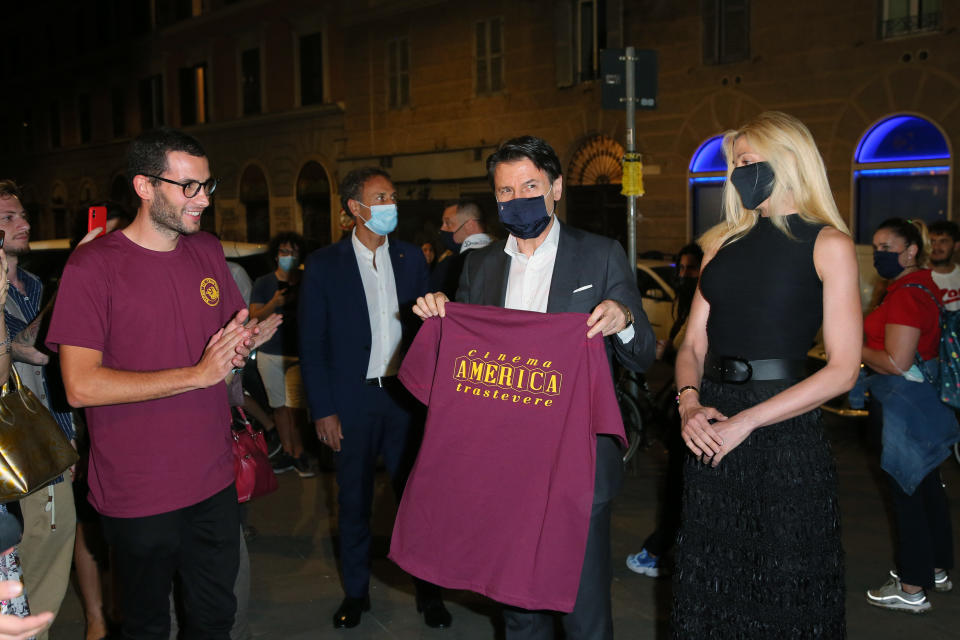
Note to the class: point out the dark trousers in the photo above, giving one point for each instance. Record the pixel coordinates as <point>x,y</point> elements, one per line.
<point>201,543</point>
<point>592,615</point>
<point>379,423</point>
<point>924,532</point>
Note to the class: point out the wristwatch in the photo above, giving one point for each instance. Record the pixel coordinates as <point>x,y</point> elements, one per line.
<point>628,313</point>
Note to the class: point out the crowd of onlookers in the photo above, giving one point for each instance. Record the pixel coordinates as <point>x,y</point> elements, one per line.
<point>142,357</point>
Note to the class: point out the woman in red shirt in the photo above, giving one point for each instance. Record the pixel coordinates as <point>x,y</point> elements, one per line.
<point>917,426</point>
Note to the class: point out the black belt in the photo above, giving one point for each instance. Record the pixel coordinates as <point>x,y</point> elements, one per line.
<point>739,370</point>
<point>381,381</point>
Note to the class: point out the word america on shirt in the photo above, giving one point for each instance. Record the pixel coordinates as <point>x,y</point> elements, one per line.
<point>530,376</point>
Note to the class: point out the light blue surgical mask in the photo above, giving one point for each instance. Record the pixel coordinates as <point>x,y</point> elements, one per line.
<point>287,263</point>
<point>383,218</point>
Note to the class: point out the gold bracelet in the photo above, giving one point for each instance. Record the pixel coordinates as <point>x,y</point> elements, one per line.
<point>688,387</point>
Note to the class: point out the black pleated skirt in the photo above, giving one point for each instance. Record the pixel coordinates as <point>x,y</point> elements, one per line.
<point>759,553</point>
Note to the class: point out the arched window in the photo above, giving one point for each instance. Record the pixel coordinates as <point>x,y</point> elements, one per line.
<point>313,195</point>
<point>255,196</point>
<point>901,169</point>
<point>708,172</point>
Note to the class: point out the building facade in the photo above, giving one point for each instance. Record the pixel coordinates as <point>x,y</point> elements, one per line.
<point>289,95</point>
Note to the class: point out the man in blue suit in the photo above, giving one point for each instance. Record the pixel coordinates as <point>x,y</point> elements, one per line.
<point>549,267</point>
<point>355,324</point>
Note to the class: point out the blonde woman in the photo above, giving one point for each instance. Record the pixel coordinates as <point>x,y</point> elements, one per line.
<point>759,555</point>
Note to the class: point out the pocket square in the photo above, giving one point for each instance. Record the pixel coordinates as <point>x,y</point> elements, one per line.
<point>583,288</point>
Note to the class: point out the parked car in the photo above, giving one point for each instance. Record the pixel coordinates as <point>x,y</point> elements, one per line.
<point>653,280</point>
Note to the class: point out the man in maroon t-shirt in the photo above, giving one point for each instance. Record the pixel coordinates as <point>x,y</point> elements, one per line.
<point>149,322</point>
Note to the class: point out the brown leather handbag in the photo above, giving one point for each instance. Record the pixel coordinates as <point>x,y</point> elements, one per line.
<point>33,449</point>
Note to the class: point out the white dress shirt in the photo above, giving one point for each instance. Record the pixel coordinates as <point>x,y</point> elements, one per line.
<point>380,290</point>
<point>528,285</point>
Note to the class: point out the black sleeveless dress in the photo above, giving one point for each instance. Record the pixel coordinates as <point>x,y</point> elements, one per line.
<point>759,554</point>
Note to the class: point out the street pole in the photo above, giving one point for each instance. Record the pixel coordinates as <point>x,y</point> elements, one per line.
<point>630,82</point>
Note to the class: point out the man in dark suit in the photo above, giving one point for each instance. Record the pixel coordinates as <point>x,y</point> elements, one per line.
<point>355,319</point>
<point>463,231</point>
<point>549,267</point>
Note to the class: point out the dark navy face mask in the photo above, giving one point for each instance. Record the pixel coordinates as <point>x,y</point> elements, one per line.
<point>887,264</point>
<point>525,217</point>
<point>754,183</point>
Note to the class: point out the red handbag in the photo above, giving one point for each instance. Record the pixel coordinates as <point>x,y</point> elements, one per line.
<point>251,465</point>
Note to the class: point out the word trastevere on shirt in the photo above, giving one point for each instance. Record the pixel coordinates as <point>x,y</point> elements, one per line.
<point>516,373</point>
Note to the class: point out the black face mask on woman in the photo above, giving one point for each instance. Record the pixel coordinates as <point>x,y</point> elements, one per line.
<point>754,183</point>
<point>887,264</point>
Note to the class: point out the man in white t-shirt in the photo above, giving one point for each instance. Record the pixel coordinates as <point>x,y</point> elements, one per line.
<point>943,238</point>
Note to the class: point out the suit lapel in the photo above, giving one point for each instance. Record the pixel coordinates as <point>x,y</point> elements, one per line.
<point>565,266</point>
<point>351,285</point>
<point>397,261</point>
<point>497,272</point>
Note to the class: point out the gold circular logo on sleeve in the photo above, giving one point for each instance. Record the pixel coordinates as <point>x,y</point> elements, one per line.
<point>210,292</point>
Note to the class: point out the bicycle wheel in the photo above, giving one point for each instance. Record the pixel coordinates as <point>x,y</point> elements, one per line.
<point>632,424</point>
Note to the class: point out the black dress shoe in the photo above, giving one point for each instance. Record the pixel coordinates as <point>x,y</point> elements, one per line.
<point>348,615</point>
<point>435,614</point>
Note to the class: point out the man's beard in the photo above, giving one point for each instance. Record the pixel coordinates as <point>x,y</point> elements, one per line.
<point>17,251</point>
<point>165,217</point>
<point>941,263</point>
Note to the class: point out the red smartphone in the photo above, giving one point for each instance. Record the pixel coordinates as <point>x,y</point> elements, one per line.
<point>97,217</point>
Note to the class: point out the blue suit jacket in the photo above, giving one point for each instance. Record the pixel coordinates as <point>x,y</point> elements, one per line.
<point>335,335</point>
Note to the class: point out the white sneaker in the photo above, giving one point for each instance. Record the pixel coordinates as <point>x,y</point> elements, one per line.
<point>941,580</point>
<point>892,596</point>
<point>644,564</point>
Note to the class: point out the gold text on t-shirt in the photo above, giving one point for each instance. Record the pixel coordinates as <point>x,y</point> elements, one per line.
<point>498,376</point>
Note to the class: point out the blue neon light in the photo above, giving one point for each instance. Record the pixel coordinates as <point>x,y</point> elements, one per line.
<point>902,138</point>
<point>709,157</point>
<point>911,171</point>
<point>704,179</point>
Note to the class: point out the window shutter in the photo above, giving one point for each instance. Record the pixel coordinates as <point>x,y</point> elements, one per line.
<point>563,50</point>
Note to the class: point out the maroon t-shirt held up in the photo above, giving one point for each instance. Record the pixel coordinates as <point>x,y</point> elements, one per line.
<point>499,499</point>
<point>150,310</point>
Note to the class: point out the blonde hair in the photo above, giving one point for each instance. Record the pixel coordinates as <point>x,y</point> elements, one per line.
<point>799,172</point>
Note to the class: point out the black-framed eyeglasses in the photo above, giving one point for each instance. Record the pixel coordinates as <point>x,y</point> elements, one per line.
<point>191,187</point>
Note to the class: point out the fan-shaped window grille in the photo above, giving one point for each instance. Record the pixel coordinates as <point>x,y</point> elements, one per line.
<point>597,161</point>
